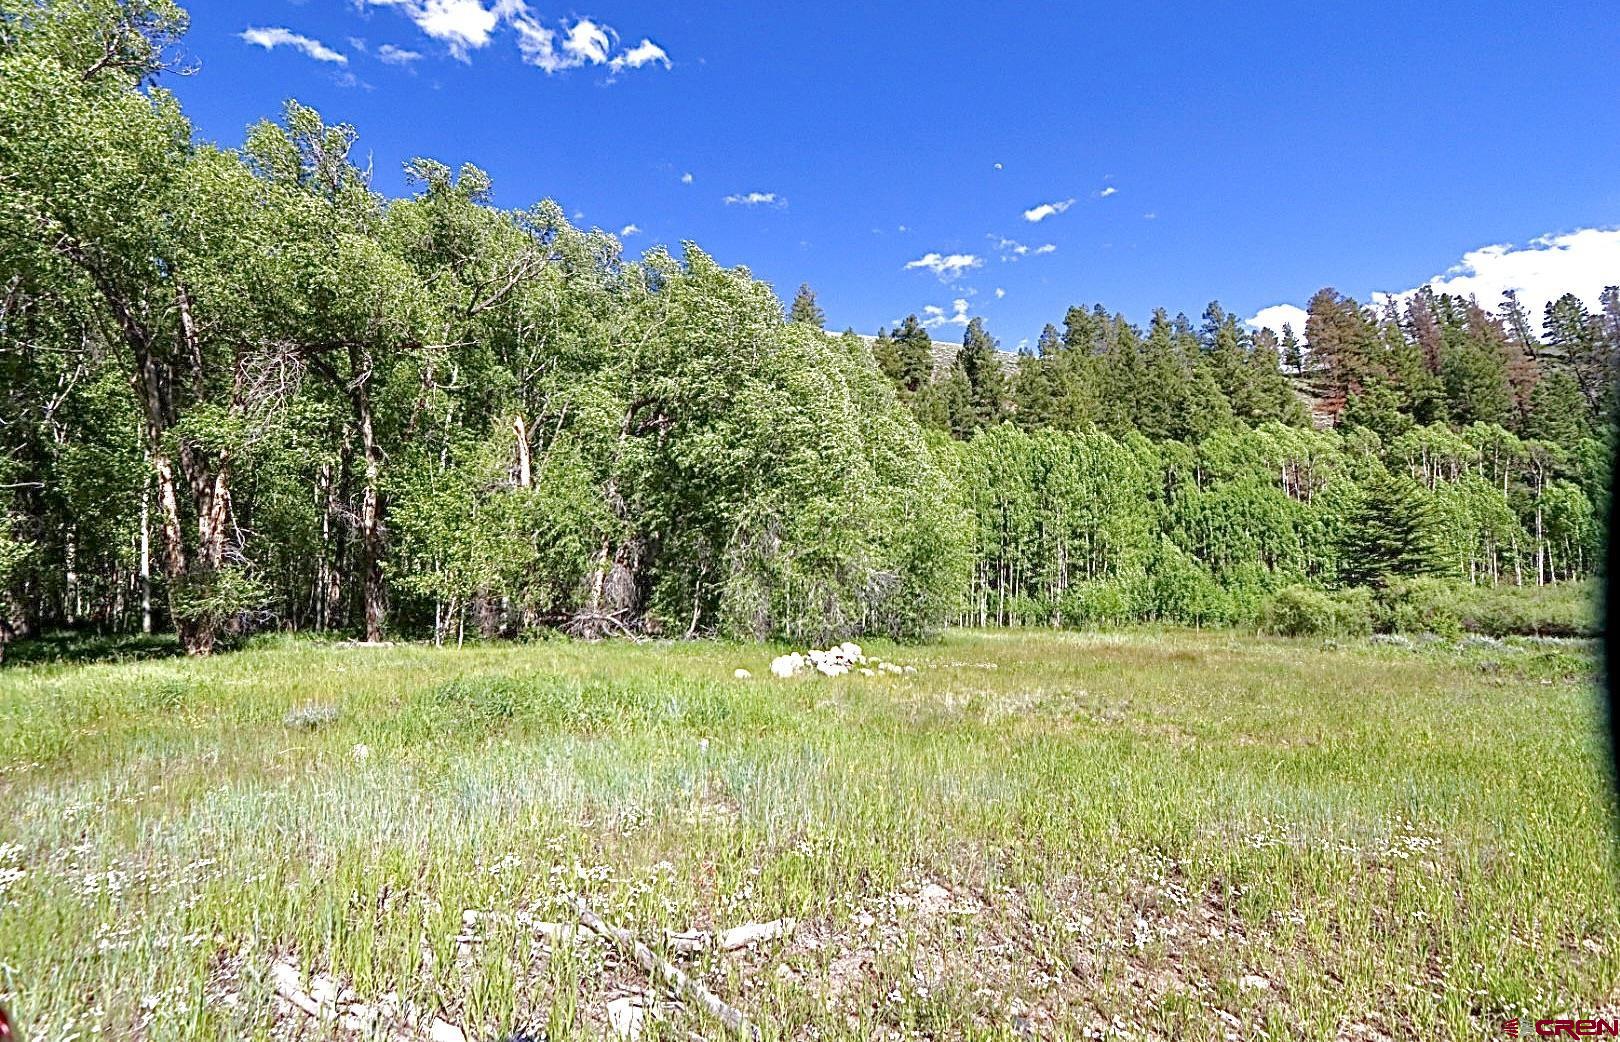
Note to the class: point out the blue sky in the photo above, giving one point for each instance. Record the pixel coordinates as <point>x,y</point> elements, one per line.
<point>893,159</point>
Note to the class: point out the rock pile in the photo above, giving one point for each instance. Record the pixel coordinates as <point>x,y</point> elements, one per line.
<point>834,662</point>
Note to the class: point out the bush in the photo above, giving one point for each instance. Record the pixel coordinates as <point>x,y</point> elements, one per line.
<point>1559,610</point>
<point>1418,606</point>
<point>1304,611</point>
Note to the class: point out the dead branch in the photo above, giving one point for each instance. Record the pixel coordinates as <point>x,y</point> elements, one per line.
<point>667,973</point>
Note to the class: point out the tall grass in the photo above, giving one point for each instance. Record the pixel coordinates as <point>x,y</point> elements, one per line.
<point>1170,834</point>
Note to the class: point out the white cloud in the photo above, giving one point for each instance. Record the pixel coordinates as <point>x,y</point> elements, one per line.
<point>1012,249</point>
<point>755,199</point>
<point>388,54</point>
<point>686,178</point>
<point>1000,293</point>
<point>1278,315</point>
<point>643,53</point>
<point>947,267</point>
<point>1150,216</point>
<point>1106,192</point>
<point>464,26</point>
<point>1581,262</point>
<point>271,38</point>
<point>629,230</point>
<point>1045,210</point>
<point>461,25</point>
<point>934,317</point>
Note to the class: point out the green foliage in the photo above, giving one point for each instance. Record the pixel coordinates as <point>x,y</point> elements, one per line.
<point>1422,605</point>
<point>1391,532</point>
<point>1557,610</point>
<point>1302,611</point>
<point>805,309</point>
<point>246,389</point>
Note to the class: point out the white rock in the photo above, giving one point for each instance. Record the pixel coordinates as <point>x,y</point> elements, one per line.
<point>832,669</point>
<point>868,672</point>
<point>742,674</point>
<point>851,651</point>
<point>1252,982</point>
<point>627,1016</point>
<point>785,666</point>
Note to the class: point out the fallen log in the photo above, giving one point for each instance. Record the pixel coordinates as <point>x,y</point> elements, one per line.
<point>666,972</point>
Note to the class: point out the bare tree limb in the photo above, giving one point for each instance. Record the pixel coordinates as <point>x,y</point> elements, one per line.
<point>666,972</point>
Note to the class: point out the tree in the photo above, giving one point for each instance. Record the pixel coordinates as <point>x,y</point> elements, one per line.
<point>1576,337</point>
<point>914,354</point>
<point>1343,342</point>
<point>1292,355</point>
<point>106,188</point>
<point>805,309</point>
<point>1391,532</point>
<point>981,365</point>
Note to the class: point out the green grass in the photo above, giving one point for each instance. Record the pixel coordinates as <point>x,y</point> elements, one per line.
<point>1174,835</point>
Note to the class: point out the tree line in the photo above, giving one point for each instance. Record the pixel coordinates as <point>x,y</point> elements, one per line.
<point>240,389</point>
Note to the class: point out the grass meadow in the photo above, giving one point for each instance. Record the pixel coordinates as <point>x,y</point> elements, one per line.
<point>1150,835</point>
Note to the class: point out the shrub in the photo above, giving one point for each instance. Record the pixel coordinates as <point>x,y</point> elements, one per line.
<point>1304,611</point>
<point>1418,606</point>
<point>1559,610</point>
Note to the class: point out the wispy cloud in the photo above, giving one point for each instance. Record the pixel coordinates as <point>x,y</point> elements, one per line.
<point>755,199</point>
<point>686,178</point>
<point>934,317</point>
<point>272,37</point>
<point>629,230</point>
<point>1036,214</point>
<point>388,54</point>
<point>1106,192</point>
<point>1012,249</point>
<point>1000,293</point>
<point>946,266</point>
<point>465,26</point>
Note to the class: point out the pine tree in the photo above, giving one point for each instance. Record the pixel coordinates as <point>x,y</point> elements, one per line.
<point>805,309</point>
<point>1577,337</point>
<point>1474,365</point>
<point>954,396</point>
<point>886,355</point>
<point>1343,342</point>
<point>1419,392</point>
<point>1377,407</point>
<point>1159,402</point>
<point>1392,532</point>
<point>914,355</point>
<point>1558,411</point>
<point>981,365</point>
<point>1293,357</point>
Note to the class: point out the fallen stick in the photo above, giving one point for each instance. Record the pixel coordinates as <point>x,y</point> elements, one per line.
<point>666,972</point>
<point>752,933</point>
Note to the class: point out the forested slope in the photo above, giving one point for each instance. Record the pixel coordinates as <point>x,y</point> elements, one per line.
<point>240,389</point>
